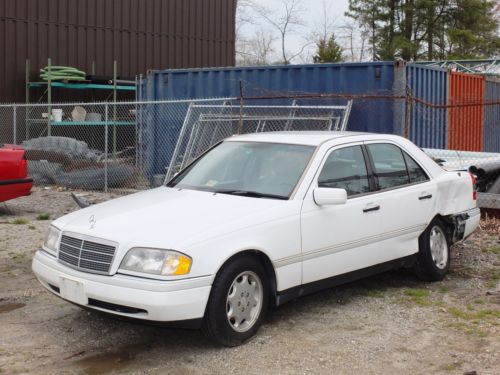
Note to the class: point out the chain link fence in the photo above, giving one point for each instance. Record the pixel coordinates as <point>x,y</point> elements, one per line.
<point>136,145</point>
<point>462,136</point>
<point>130,146</point>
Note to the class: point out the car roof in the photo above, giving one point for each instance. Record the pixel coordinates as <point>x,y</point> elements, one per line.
<point>312,138</point>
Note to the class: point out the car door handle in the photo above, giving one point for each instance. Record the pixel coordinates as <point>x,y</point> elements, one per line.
<point>369,209</point>
<point>422,197</point>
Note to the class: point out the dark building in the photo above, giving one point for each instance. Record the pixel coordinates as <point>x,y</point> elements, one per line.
<point>140,35</point>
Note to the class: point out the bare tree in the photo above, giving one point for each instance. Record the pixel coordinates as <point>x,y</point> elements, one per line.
<point>244,15</point>
<point>287,20</point>
<point>326,24</point>
<point>257,50</point>
<point>354,40</point>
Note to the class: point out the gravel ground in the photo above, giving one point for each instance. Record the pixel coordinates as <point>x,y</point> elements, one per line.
<point>391,323</point>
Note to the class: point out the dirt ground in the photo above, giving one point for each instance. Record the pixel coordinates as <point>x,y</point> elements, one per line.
<point>388,324</point>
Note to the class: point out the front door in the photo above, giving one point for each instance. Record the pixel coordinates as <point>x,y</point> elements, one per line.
<point>341,238</point>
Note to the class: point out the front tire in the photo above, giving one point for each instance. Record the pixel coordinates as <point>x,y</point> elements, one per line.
<point>433,259</point>
<point>238,302</point>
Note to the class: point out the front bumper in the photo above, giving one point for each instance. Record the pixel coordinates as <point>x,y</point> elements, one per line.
<point>129,296</point>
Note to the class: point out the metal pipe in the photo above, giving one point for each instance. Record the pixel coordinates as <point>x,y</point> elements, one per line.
<point>49,97</point>
<point>121,82</point>
<point>106,147</point>
<point>14,123</point>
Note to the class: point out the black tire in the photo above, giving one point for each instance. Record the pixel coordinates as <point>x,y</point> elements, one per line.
<point>216,325</point>
<point>429,267</point>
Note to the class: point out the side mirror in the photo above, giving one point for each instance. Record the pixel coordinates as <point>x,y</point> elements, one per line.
<point>329,196</point>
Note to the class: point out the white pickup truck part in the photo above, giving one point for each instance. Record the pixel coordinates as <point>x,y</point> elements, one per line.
<point>260,219</point>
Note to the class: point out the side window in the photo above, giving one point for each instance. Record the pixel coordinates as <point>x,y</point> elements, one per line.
<point>345,168</point>
<point>416,173</point>
<point>389,166</point>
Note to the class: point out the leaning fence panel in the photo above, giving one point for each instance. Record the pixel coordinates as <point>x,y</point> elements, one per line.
<point>206,125</point>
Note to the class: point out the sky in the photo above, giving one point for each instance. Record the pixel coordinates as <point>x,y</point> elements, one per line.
<point>312,17</point>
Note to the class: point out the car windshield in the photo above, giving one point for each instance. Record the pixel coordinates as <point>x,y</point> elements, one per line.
<point>254,169</point>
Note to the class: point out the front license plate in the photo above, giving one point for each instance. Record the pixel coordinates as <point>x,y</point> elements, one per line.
<point>73,291</point>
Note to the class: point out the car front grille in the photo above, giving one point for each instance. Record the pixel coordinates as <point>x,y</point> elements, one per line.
<point>86,255</point>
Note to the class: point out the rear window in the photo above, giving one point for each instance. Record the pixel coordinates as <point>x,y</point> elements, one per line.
<point>415,171</point>
<point>389,166</point>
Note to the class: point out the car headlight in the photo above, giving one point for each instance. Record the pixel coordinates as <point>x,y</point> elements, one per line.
<point>52,240</point>
<point>156,261</point>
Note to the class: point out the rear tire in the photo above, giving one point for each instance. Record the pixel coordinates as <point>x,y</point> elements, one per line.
<point>238,302</point>
<point>433,260</point>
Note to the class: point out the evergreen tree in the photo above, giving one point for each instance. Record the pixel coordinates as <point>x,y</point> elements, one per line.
<point>428,29</point>
<point>329,51</point>
<point>473,31</point>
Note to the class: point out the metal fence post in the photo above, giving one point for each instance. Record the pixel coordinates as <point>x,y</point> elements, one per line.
<point>106,147</point>
<point>14,125</point>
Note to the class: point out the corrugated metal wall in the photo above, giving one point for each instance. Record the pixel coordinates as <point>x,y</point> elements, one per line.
<point>492,116</point>
<point>465,124</point>
<point>428,126</point>
<point>139,34</point>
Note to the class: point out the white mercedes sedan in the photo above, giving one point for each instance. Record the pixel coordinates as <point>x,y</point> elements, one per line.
<point>256,221</point>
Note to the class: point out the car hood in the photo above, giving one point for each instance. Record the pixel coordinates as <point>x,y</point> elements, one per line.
<point>168,217</point>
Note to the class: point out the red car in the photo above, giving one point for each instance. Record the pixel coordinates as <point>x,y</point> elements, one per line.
<point>14,180</point>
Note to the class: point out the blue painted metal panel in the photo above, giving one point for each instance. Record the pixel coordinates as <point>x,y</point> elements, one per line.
<point>373,115</point>
<point>353,78</point>
<point>492,116</point>
<point>428,126</point>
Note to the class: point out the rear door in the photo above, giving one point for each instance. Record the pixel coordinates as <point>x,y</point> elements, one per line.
<point>405,194</point>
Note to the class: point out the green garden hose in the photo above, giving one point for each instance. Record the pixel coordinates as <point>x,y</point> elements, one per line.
<point>59,73</point>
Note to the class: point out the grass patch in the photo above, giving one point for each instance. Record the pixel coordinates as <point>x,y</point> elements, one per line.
<point>493,278</point>
<point>492,250</point>
<point>417,293</point>
<point>443,289</point>
<point>453,366</point>
<point>481,314</point>
<point>468,329</point>
<point>479,301</point>
<point>20,221</point>
<point>418,296</point>
<point>43,217</point>
<point>374,293</point>
<point>18,256</point>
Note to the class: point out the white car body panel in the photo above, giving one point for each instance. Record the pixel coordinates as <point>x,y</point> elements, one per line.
<point>304,242</point>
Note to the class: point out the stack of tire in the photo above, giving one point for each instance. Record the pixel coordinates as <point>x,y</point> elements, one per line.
<point>71,163</point>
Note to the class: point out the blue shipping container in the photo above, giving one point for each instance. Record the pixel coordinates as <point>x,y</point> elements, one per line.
<point>492,116</point>
<point>372,115</point>
<point>346,78</point>
<point>428,126</point>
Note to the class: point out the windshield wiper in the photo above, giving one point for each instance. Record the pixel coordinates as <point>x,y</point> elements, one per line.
<point>253,194</point>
